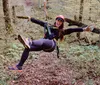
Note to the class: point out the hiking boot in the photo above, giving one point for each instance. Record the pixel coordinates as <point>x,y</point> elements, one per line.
<point>88,28</point>
<point>19,68</point>
<point>25,41</point>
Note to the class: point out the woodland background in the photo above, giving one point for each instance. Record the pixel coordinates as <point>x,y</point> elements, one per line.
<point>80,63</point>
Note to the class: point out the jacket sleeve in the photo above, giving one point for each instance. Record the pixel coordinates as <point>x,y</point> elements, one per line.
<point>71,30</point>
<point>39,22</point>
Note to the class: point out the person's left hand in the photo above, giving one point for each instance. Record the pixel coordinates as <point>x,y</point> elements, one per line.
<point>88,28</point>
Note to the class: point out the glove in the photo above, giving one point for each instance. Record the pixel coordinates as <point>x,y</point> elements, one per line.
<point>88,28</point>
<point>29,18</point>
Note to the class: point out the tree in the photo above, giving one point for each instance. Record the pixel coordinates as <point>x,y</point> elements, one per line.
<point>7,16</point>
<point>80,15</point>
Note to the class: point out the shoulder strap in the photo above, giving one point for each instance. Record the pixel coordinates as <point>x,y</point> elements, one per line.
<point>47,28</point>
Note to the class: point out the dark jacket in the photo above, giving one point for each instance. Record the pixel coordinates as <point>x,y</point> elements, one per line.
<point>54,31</point>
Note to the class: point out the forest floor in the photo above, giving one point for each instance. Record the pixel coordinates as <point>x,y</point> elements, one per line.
<point>47,69</point>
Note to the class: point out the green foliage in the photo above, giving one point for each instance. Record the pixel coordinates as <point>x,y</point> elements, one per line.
<point>2,82</point>
<point>10,54</point>
<point>13,51</point>
<point>85,60</point>
<point>89,82</point>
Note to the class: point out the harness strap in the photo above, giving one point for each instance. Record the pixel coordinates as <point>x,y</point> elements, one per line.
<point>47,28</point>
<point>57,48</point>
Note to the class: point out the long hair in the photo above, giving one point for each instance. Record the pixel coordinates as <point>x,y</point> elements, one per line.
<point>60,31</point>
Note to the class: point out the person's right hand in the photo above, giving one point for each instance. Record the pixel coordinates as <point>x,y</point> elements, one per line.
<point>29,18</point>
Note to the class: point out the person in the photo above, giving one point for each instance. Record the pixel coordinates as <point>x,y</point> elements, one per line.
<point>45,8</point>
<point>52,33</point>
<point>44,3</point>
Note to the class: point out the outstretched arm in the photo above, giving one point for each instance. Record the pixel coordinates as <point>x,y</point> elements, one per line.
<point>45,8</point>
<point>71,30</point>
<point>79,24</point>
<point>81,29</point>
<point>36,21</point>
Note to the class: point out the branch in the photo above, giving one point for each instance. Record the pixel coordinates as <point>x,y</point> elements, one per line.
<point>73,22</point>
<point>79,24</point>
<point>22,17</point>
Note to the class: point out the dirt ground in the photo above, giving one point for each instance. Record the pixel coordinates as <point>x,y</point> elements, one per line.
<point>47,69</point>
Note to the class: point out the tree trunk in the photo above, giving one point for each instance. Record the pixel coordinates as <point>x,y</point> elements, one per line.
<point>7,16</point>
<point>81,10</point>
<point>40,3</point>
<point>80,15</point>
<point>90,12</point>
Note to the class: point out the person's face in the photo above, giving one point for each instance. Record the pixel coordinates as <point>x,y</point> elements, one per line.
<point>58,23</point>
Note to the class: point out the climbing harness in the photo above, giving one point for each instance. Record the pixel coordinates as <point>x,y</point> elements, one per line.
<point>47,30</point>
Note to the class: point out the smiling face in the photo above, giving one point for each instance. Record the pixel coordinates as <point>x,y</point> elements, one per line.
<point>58,23</point>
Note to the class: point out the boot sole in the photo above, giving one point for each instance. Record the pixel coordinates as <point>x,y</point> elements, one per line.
<point>21,39</point>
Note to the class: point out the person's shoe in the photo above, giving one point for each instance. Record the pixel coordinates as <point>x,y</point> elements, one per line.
<point>18,68</point>
<point>88,28</point>
<point>25,42</point>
